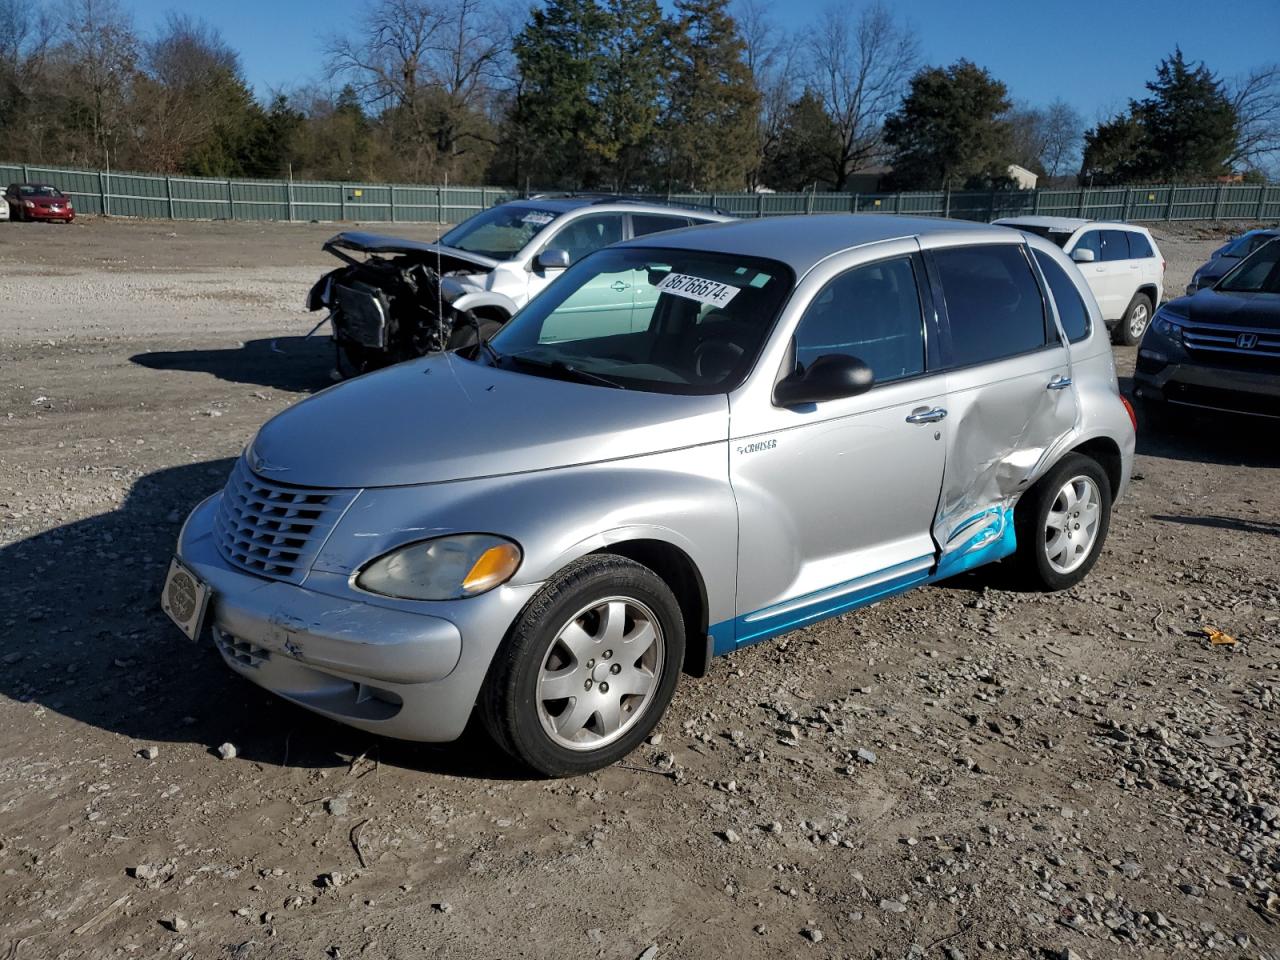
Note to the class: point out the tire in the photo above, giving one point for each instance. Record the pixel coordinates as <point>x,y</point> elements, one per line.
<point>562,641</point>
<point>1137,318</point>
<point>1039,560</point>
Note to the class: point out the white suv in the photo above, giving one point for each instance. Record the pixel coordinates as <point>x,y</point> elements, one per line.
<point>1120,262</point>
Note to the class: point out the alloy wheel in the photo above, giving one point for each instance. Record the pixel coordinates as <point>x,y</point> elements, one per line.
<point>1138,320</point>
<point>600,674</point>
<point>1071,528</point>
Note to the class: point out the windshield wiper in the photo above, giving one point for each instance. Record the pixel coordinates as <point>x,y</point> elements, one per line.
<point>559,366</point>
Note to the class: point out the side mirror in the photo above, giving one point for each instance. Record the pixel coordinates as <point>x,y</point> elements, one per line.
<point>830,377</point>
<point>1081,255</point>
<point>552,259</point>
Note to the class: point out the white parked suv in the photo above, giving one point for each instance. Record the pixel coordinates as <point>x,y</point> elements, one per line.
<point>1120,262</point>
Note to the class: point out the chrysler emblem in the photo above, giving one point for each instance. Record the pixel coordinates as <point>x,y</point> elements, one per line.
<point>1247,341</point>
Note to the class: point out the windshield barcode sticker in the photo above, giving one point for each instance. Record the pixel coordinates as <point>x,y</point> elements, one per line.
<point>695,288</point>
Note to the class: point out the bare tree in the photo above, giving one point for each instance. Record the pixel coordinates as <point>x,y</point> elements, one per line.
<point>1256,98</point>
<point>773,57</point>
<point>100,57</point>
<point>859,66</point>
<point>25,41</point>
<point>1063,138</point>
<point>434,67</point>
<point>190,73</point>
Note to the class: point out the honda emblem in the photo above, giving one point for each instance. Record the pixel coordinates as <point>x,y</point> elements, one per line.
<point>1247,341</point>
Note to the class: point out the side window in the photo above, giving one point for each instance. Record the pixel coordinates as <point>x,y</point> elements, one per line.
<point>871,312</point>
<point>587,235</point>
<point>994,306</point>
<point>1115,245</point>
<point>1090,240</point>
<point>643,224</point>
<point>1139,246</point>
<point>1071,308</point>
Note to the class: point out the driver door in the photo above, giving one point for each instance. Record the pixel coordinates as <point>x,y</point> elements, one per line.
<point>837,499</point>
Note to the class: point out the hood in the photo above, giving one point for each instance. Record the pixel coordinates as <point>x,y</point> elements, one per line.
<point>47,201</point>
<point>443,418</point>
<point>1260,310</point>
<point>375,243</point>
<point>1216,269</point>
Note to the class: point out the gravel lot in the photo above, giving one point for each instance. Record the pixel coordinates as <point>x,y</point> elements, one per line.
<point>963,771</point>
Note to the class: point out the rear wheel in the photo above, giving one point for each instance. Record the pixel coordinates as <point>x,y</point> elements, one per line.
<point>1136,320</point>
<point>588,669</point>
<point>1062,523</point>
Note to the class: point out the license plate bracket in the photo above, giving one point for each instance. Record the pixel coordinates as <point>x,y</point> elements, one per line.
<point>185,598</point>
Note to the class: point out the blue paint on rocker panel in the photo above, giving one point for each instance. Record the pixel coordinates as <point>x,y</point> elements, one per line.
<point>831,601</point>
<point>988,536</point>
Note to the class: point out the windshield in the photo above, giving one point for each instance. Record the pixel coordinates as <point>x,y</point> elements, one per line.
<point>39,190</point>
<point>668,321</point>
<point>1243,246</point>
<point>499,232</point>
<point>1260,273</point>
<point>1056,234</point>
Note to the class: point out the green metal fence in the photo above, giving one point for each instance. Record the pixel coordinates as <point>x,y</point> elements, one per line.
<point>197,198</point>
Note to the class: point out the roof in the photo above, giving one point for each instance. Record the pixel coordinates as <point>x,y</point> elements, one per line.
<point>566,202</point>
<point>1056,224</point>
<point>1064,224</point>
<point>802,241</point>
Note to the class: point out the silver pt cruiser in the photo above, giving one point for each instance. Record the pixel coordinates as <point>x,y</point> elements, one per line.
<point>689,443</point>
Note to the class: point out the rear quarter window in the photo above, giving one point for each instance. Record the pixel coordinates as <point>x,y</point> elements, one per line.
<point>1066,297</point>
<point>994,305</point>
<point>1139,246</point>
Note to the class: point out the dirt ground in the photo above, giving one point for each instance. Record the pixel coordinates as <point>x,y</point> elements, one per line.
<point>962,771</point>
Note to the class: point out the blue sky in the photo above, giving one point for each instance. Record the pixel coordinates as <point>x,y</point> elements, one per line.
<point>1095,55</point>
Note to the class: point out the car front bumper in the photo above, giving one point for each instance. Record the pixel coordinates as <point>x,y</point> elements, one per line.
<point>41,213</point>
<point>1209,388</point>
<point>386,669</point>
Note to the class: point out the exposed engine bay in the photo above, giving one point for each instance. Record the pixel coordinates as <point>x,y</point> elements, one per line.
<point>397,303</point>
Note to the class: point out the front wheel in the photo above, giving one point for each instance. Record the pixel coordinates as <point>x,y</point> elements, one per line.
<point>1135,322</point>
<point>588,669</point>
<point>1062,523</point>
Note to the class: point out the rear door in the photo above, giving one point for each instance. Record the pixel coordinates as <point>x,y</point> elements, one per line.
<point>1120,273</point>
<point>1010,398</point>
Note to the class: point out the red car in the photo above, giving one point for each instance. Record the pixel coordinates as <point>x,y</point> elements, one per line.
<point>38,201</point>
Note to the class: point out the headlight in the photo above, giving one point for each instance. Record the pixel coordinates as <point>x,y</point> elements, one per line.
<point>1168,325</point>
<point>447,568</point>
<point>29,204</point>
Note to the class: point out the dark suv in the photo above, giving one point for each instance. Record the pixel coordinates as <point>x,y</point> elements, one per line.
<point>1218,349</point>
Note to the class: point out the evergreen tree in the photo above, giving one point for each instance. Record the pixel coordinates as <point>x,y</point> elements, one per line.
<point>558,56</point>
<point>710,126</point>
<point>950,131</point>
<point>808,146</point>
<point>1113,151</point>
<point>628,89</point>
<point>1186,129</point>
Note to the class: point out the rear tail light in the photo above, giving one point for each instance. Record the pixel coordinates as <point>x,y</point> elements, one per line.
<point>1128,408</point>
<point>1162,263</point>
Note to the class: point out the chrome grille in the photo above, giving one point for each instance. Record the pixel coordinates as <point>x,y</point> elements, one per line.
<point>273,529</point>
<point>1233,345</point>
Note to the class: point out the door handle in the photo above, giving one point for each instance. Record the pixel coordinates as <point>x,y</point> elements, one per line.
<point>1059,383</point>
<point>619,285</point>
<point>927,415</point>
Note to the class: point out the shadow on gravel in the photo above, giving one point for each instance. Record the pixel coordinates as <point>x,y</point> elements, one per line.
<point>84,636</point>
<point>299,364</point>
<point>1238,524</point>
